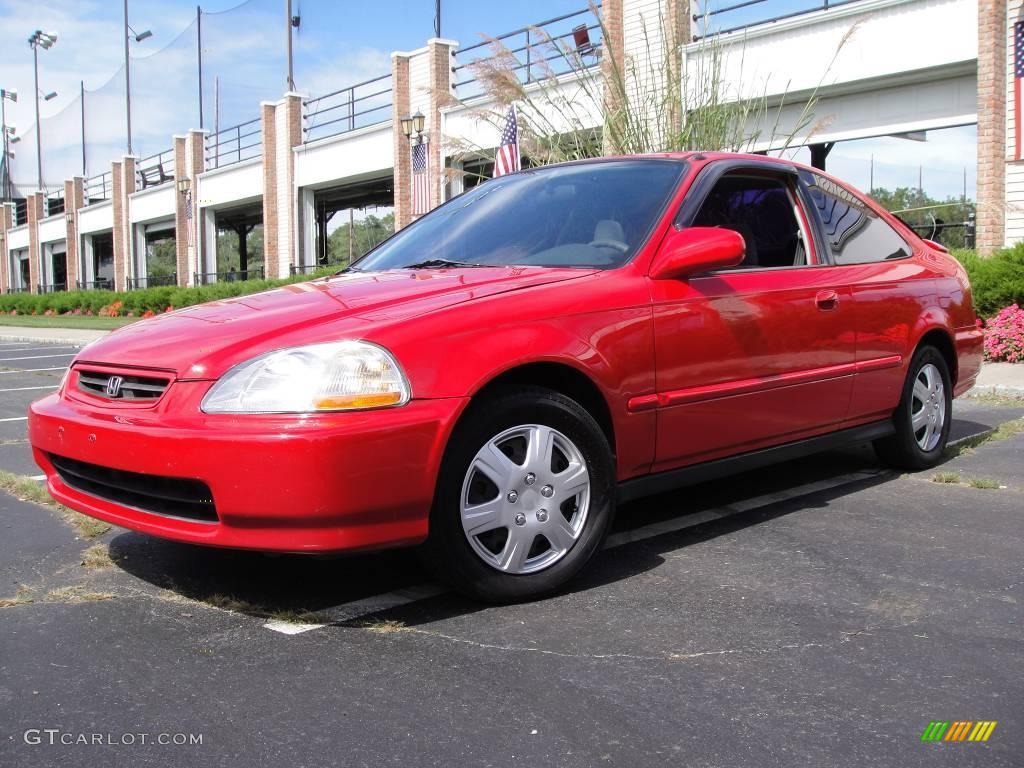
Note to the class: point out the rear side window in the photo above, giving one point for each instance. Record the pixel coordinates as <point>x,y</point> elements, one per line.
<point>854,233</point>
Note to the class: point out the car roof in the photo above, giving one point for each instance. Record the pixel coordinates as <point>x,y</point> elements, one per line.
<point>699,157</point>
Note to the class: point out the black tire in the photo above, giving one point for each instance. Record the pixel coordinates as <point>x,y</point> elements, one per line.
<point>901,450</point>
<point>448,552</point>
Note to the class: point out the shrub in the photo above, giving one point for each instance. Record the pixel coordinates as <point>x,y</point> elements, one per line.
<point>997,280</point>
<point>1004,336</point>
<point>139,302</point>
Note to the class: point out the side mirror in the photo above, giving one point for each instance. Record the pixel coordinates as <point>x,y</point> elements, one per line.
<point>697,249</point>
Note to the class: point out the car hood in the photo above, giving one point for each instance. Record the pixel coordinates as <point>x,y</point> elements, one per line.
<point>203,341</point>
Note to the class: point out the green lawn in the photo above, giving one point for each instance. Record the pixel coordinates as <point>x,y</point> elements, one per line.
<point>65,321</point>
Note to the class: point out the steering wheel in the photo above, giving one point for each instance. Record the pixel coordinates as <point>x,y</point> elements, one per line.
<point>615,244</point>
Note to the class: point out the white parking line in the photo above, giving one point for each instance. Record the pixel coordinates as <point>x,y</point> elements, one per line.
<point>34,370</point>
<point>25,389</point>
<point>40,349</point>
<point>38,478</point>
<point>16,418</point>
<point>364,607</point>
<point>36,357</point>
<point>376,603</point>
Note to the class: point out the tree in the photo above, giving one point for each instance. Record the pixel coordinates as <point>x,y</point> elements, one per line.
<point>364,235</point>
<point>229,255</point>
<point>926,214</point>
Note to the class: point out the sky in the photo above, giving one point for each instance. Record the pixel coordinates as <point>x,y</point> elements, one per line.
<point>338,43</point>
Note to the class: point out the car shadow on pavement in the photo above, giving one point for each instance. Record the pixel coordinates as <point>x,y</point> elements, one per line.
<point>302,586</point>
<point>634,558</point>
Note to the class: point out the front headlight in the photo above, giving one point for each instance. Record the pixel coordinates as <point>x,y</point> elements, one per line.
<point>337,376</point>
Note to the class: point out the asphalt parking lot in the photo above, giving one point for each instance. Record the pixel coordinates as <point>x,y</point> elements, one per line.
<point>820,613</point>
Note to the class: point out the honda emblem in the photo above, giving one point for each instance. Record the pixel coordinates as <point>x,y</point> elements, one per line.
<point>113,388</point>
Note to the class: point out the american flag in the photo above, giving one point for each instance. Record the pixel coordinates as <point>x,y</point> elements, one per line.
<point>1018,74</point>
<point>420,180</point>
<point>188,218</point>
<point>507,159</point>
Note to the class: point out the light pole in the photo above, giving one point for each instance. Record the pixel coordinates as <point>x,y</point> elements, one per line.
<point>5,96</point>
<point>139,37</point>
<point>293,23</point>
<point>46,40</point>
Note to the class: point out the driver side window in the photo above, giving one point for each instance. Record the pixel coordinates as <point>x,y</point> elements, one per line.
<point>762,210</point>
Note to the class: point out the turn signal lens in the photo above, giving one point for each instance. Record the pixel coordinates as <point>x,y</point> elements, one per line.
<point>343,402</point>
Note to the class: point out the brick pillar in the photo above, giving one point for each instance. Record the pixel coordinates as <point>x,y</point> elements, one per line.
<point>281,125</point>
<point>35,204</point>
<point>268,127</point>
<point>613,64</point>
<point>678,32</point>
<point>117,205</point>
<point>994,59</point>
<point>288,135</point>
<point>181,259</point>
<point>402,159</point>
<point>6,221</point>
<point>439,54</point>
<point>74,198</point>
<point>194,157</point>
<point>122,176</point>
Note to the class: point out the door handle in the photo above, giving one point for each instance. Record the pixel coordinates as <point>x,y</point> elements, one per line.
<point>827,300</point>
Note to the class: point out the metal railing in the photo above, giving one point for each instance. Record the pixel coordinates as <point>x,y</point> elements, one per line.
<point>153,281</point>
<point>97,188</point>
<point>305,269</point>
<point>52,287</point>
<point>235,144</point>
<point>206,278</point>
<point>356,106</point>
<point>55,203</point>
<point>946,232</point>
<point>155,170</point>
<point>555,46</point>
<point>103,284</point>
<point>17,290</point>
<point>736,19</point>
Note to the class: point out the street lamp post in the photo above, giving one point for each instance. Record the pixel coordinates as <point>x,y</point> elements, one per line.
<point>46,40</point>
<point>127,80</point>
<point>5,96</point>
<point>139,37</point>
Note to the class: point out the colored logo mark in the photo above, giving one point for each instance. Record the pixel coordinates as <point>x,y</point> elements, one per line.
<point>958,730</point>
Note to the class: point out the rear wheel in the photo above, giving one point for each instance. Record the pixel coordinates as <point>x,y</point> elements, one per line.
<point>923,417</point>
<point>524,498</point>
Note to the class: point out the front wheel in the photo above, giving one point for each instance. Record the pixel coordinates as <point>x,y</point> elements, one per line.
<point>524,499</point>
<point>923,417</point>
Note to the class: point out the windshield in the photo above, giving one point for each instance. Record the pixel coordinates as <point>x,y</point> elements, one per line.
<point>587,215</point>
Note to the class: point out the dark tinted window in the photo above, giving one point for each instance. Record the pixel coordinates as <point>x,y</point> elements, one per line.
<point>588,215</point>
<point>761,210</point>
<point>855,233</point>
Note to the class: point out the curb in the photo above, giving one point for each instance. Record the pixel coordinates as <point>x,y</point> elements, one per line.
<point>36,340</point>
<point>997,390</point>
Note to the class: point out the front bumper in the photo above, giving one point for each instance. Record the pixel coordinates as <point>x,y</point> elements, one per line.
<point>289,483</point>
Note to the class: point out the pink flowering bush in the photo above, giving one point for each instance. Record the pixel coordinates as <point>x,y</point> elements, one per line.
<point>1004,336</point>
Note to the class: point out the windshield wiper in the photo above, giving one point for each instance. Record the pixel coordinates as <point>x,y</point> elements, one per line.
<point>432,263</point>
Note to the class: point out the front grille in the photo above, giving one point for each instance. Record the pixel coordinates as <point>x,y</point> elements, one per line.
<point>127,387</point>
<point>171,496</point>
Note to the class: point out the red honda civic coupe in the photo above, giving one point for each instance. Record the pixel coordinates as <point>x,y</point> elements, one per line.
<point>493,379</point>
